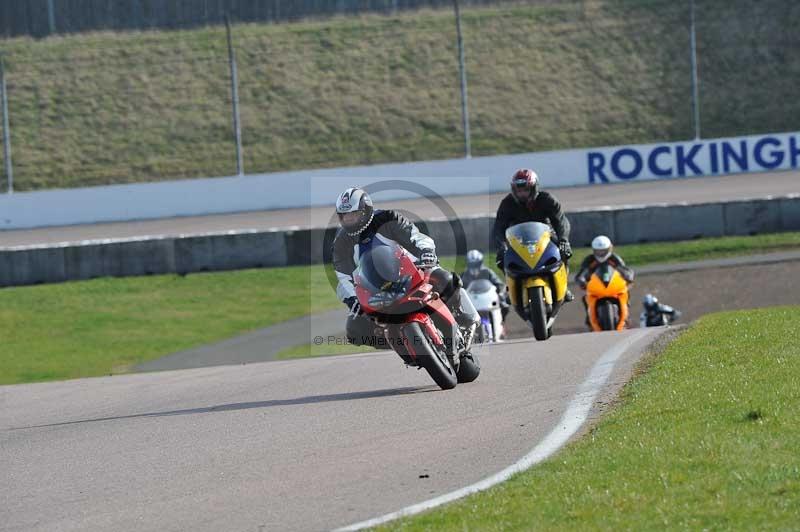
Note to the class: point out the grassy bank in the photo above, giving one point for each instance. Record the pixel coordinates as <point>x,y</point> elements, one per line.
<point>705,438</point>
<point>103,326</point>
<point>124,107</point>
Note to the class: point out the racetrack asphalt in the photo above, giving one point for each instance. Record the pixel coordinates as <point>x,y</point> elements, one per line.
<point>296,445</point>
<point>683,190</point>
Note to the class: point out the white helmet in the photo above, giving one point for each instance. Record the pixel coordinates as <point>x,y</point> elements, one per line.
<point>474,261</point>
<point>355,211</point>
<point>601,245</point>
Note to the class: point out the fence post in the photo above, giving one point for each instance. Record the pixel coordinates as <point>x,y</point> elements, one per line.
<point>235,97</point>
<point>51,17</point>
<point>6,129</point>
<point>463,71</point>
<point>695,83</point>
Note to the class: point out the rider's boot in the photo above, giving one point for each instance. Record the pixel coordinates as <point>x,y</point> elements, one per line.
<point>466,316</point>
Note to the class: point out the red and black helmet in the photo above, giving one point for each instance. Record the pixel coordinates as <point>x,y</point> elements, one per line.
<point>524,185</point>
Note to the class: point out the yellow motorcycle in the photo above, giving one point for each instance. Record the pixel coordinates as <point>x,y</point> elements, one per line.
<point>535,274</point>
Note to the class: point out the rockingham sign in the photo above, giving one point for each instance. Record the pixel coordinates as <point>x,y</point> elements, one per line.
<point>696,158</point>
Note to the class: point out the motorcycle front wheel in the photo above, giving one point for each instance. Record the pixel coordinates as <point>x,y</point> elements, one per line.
<point>430,357</point>
<point>538,312</point>
<point>607,315</point>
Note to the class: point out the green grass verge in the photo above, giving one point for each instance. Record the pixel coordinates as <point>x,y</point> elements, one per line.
<point>89,328</point>
<point>107,107</point>
<point>102,326</point>
<point>703,249</point>
<point>705,439</point>
<point>692,250</point>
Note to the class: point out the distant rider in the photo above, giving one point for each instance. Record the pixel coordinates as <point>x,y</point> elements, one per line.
<point>602,252</point>
<point>360,223</point>
<point>476,270</point>
<point>526,203</point>
<point>656,314</point>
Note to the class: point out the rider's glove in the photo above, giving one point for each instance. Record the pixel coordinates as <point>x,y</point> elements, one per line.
<point>565,248</point>
<point>581,280</point>
<point>353,306</point>
<point>428,258</point>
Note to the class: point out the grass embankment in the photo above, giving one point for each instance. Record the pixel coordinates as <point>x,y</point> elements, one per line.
<point>102,326</point>
<point>705,439</point>
<point>125,107</point>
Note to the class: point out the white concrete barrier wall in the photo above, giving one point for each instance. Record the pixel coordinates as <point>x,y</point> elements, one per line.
<point>252,249</point>
<point>479,175</point>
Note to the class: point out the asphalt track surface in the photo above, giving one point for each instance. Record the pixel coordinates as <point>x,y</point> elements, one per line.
<point>686,190</point>
<point>298,445</point>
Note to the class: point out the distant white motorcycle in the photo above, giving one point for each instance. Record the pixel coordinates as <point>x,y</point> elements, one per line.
<point>486,300</point>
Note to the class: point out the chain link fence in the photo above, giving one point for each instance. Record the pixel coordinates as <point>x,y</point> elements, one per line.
<point>105,107</point>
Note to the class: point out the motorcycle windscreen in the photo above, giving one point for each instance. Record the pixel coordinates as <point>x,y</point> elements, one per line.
<point>605,273</point>
<point>530,242</point>
<point>386,272</point>
<point>527,233</point>
<point>480,286</point>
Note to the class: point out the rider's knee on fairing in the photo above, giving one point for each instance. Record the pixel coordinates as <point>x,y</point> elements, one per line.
<point>448,285</point>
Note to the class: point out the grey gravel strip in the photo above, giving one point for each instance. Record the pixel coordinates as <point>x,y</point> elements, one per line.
<point>728,262</point>
<point>257,346</point>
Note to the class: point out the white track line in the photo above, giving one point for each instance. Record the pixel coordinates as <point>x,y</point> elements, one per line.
<point>576,414</point>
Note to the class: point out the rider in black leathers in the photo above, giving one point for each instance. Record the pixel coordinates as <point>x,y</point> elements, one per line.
<point>526,203</point>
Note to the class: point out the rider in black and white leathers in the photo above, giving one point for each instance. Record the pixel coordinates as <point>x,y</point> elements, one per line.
<point>388,225</point>
<point>656,314</point>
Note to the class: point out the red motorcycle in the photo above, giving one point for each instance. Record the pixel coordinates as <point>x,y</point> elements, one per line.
<point>396,294</point>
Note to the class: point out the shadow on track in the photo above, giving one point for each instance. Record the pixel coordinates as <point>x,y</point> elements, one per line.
<point>312,399</point>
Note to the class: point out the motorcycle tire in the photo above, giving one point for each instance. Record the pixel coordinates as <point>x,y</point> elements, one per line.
<point>469,368</point>
<point>607,315</point>
<point>428,356</point>
<point>538,312</point>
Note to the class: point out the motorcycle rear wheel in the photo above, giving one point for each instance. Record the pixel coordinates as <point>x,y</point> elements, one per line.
<point>469,368</point>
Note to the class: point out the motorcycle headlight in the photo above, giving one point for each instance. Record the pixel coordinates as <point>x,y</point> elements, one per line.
<point>382,300</point>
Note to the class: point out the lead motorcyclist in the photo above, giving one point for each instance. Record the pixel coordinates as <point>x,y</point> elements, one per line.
<point>656,314</point>
<point>360,223</point>
<point>476,270</point>
<point>526,203</point>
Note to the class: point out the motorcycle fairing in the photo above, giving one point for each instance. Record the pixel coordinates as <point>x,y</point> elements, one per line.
<point>531,260</point>
<point>607,283</point>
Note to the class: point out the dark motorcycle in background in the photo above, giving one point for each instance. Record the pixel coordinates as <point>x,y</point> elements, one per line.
<point>396,294</point>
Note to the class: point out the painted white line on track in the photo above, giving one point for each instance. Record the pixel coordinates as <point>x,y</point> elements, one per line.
<point>574,417</point>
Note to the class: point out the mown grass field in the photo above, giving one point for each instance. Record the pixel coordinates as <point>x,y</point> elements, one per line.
<point>704,438</point>
<point>103,326</point>
<point>125,107</point>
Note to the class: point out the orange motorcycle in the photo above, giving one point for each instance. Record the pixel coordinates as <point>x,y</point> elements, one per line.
<point>607,299</point>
